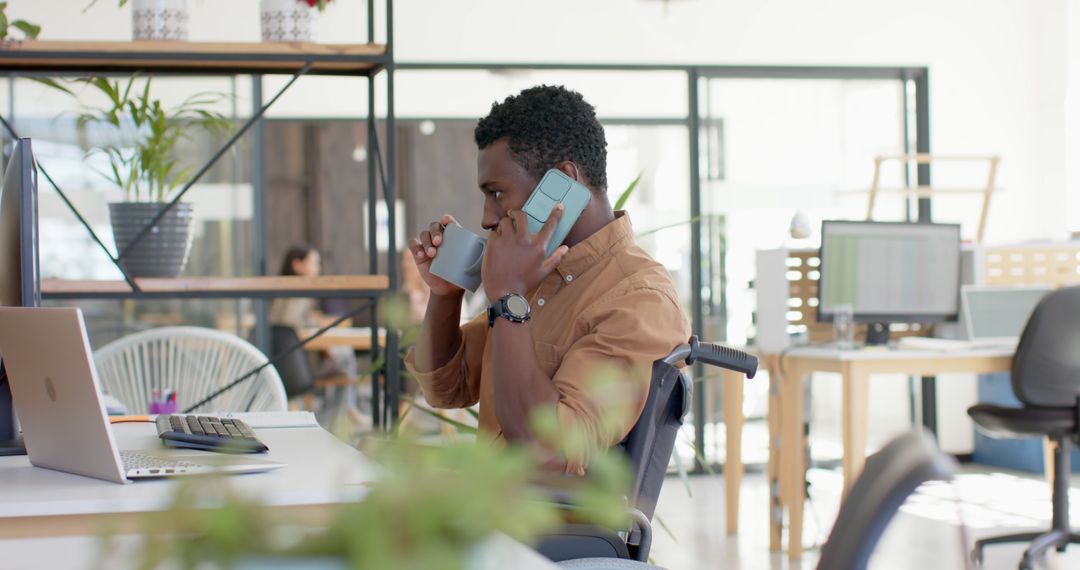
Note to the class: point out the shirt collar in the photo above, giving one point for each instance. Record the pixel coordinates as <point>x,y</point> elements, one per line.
<point>617,234</point>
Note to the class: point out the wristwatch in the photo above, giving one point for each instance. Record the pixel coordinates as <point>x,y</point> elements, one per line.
<point>512,307</point>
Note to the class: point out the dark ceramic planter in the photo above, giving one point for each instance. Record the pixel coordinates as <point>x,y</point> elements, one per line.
<point>161,252</point>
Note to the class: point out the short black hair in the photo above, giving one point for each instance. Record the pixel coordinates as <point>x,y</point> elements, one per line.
<point>546,125</point>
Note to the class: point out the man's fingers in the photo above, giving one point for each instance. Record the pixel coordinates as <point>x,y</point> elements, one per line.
<point>506,226</point>
<point>521,221</point>
<point>425,240</point>
<point>552,222</point>
<point>447,219</point>
<point>416,249</point>
<point>555,259</point>
<point>436,230</point>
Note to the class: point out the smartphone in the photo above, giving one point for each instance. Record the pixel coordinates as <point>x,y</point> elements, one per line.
<point>556,187</point>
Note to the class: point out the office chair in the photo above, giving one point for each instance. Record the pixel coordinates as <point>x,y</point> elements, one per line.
<point>648,446</point>
<point>294,367</point>
<point>301,381</point>
<point>890,476</point>
<point>1046,380</point>
<point>193,361</point>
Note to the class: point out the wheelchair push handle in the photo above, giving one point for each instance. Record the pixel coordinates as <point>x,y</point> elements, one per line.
<point>716,355</point>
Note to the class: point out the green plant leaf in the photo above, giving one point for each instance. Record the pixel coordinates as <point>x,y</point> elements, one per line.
<point>3,24</point>
<point>660,521</point>
<point>683,476</point>
<point>464,428</point>
<point>669,226</point>
<point>626,193</point>
<point>54,84</point>
<point>31,30</point>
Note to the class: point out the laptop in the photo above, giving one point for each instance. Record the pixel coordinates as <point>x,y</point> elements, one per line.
<point>59,405</point>
<point>995,316</point>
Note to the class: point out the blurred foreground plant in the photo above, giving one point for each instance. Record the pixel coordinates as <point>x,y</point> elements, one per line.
<point>428,510</point>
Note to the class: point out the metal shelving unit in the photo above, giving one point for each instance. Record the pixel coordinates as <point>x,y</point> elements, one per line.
<point>60,58</point>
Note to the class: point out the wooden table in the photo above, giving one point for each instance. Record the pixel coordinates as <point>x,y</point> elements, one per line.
<point>359,338</point>
<point>787,374</point>
<point>786,473</point>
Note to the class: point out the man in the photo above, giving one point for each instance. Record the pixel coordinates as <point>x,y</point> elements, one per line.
<point>598,302</point>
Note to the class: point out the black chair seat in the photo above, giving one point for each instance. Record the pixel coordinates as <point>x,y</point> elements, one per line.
<point>999,421</point>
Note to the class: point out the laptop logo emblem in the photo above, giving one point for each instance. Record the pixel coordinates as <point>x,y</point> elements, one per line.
<point>50,388</point>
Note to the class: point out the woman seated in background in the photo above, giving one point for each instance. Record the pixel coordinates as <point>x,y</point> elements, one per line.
<point>302,314</point>
<point>299,313</point>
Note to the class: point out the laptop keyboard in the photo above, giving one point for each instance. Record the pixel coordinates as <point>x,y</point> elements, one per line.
<point>209,433</point>
<point>138,460</point>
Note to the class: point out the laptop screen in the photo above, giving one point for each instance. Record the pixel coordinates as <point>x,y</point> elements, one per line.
<point>999,313</point>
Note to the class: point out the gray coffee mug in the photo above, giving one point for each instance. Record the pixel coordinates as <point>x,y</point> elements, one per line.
<point>459,257</point>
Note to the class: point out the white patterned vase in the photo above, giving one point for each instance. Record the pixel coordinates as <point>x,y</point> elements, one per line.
<point>160,19</point>
<point>288,21</point>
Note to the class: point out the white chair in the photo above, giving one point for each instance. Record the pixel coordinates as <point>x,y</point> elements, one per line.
<point>193,361</point>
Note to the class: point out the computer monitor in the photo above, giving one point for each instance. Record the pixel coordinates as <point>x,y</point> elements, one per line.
<point>889,272</point>
<point>19,272</point>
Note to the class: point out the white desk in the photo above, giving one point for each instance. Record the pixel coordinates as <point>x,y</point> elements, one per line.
<point>321,472</point>
<point>50,519</point>
<point>787,470</point>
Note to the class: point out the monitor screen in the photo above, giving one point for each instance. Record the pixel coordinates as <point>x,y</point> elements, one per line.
<point>890,272</point>
<point>19,273</point>
<point>997,312</point>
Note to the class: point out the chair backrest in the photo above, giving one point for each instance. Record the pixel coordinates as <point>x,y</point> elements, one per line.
<point>1046,368</point>
<point>294,368</point>
<point>652,439</point>
<point>193,361</point>
<point>888,478</point>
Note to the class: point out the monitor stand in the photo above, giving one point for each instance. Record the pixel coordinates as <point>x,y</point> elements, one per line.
<point>877,334</point>
<point>12,447</point>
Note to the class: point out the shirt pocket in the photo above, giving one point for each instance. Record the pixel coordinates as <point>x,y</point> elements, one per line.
<point>548,356</point>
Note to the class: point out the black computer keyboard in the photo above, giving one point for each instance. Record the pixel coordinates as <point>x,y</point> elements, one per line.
<point>208,433</point>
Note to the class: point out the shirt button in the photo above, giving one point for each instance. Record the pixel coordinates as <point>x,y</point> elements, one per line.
<point>540,302</point>
<point>569,278</point>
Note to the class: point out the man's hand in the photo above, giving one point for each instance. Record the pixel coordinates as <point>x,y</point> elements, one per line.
<point>514,259</point>
<point>424,249</point>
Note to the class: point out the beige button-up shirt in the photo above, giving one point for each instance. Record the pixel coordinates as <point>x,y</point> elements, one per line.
<point>607,306</point>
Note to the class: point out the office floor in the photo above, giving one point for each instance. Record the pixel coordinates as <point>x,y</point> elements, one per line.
<point>924,535</point>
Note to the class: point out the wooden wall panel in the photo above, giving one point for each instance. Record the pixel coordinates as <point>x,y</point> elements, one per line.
<point>287,186</point>
<point>440,169</point>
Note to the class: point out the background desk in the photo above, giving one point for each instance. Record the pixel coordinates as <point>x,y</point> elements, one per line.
<point>794,368</point>
<point>359,338</point>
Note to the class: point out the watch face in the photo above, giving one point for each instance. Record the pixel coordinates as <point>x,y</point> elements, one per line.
<point>517,305</point>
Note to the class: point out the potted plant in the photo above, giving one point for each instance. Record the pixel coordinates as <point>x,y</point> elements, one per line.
<point>290,20</point>
<point>142,163</point>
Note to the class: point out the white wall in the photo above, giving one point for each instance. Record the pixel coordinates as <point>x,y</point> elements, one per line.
<point>997,66</point>
<point>1072,114</point>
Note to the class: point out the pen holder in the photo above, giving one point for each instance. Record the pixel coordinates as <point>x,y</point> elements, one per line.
<point>162,407</point>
